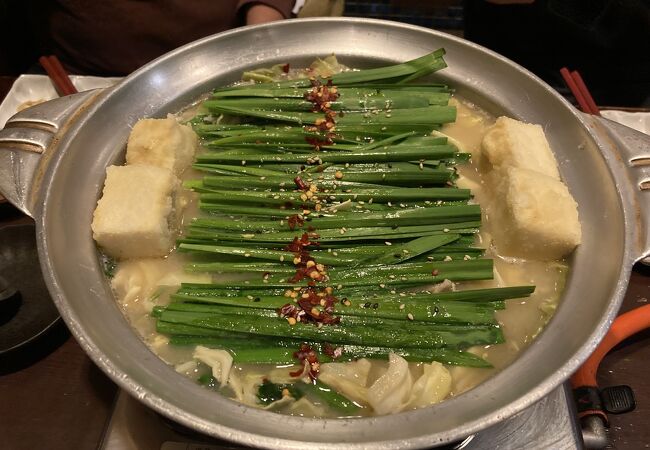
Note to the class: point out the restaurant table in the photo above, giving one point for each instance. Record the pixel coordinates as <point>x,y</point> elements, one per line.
<point>53,397</point>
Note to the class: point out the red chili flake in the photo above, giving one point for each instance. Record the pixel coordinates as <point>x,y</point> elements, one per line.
<point>434,272</point>
<point>321,96</point>
<point>301,184</point>
<point>332,351</point>
<point>313,306</point>
<point>309,359</point>
<point>288,310</point>
<point>285,68</point>
<point>317,143</point>
<point>295,221</point>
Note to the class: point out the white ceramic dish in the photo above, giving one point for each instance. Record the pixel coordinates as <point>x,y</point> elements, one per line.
<point>34,88</point>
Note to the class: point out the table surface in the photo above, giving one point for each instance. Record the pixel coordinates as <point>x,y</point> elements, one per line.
<point>52,396</point>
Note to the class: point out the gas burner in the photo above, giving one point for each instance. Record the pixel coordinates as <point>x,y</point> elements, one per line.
<point>549,423</point>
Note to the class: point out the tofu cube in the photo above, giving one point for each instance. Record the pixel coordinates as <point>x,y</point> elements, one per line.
<point>536,215</point>
<point>511,143</point>
<point>163,143</point>
<point>136,216</point>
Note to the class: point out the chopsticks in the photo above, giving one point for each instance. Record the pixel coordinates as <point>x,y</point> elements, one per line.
<point>58,75</point>
<point>578,88</point>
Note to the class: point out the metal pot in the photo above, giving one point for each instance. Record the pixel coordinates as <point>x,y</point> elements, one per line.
<point>55,166</point>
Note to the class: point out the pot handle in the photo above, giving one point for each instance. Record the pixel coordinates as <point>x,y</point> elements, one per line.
<point>631,163</point>
<point>26,141</point>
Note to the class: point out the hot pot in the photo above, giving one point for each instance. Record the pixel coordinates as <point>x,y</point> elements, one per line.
<point>52,166</point>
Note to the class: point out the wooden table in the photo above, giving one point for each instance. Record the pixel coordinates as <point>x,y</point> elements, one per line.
<point>53,397</point>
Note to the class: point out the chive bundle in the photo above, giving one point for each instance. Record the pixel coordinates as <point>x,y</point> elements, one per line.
<point>350,195</point>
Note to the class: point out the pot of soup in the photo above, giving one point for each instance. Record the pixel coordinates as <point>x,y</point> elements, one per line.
<point>54,163</point>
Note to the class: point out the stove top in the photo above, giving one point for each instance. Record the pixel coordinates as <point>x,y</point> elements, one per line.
<point>549,424</point>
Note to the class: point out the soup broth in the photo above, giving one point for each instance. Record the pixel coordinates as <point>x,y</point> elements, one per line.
<point>142,284</point>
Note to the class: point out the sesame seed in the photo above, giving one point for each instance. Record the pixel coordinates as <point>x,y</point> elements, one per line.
<point>243,163</point>
<point>338,175</point>
<point>388,243</point>
<point>445,230</point>
<point>447,258</point>
<point>410,316</point>
<point>247,255</point>
<point>402,306</point>
<point>250,297</point>
<point>291,320</point>
<point>382,285</point>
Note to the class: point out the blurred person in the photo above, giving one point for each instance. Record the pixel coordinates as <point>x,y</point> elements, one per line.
<point>115,37</point>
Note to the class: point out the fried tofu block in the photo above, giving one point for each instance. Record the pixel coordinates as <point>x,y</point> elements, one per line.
<point>136,216</point>
<point>511,143</point>
<point>536,215</point>
<point>163,143</point>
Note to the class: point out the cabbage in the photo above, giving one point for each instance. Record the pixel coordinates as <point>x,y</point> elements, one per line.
<point>245,386</point>
<point>395,390</point>
<point>326,67</point>
<point>391,392</point>
<point>349,379</point>
<point>219,360</point>
<point>432,387</point>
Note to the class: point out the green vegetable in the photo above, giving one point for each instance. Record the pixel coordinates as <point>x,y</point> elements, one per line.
<point>371,189</point>
<point>269,392</point>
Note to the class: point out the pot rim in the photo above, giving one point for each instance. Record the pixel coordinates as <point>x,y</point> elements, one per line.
<point>248,438</point>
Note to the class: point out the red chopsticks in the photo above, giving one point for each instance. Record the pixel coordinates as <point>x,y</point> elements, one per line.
<point>579,90</point>
<point>58,75</point>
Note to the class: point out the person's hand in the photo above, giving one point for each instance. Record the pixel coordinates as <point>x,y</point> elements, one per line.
<point>259,13</point>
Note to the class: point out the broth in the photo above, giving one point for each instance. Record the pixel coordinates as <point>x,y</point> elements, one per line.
<point>137,285</point>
